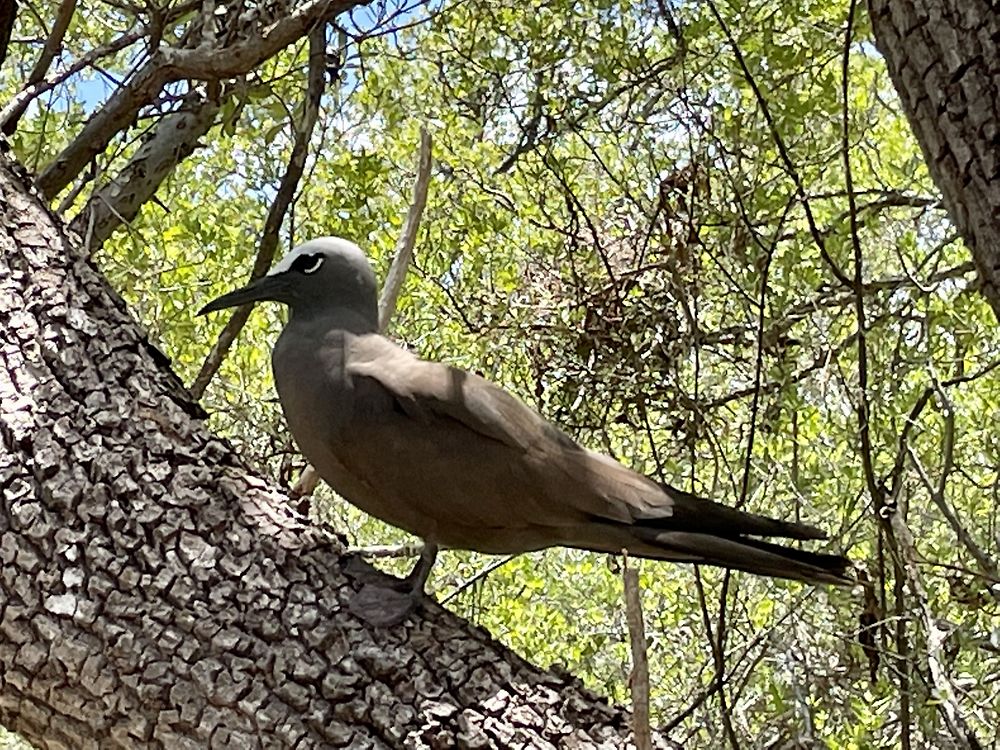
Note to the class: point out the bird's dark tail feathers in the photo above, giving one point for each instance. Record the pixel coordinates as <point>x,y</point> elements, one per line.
<point>750,555</point>
<point>709,533</point>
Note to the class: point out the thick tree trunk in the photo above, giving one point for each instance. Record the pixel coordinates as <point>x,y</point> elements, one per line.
<point>155,593</point>
<point>944,60</point>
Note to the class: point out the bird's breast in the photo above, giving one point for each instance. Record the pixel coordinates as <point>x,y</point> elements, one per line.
<point>313,388</point>
<point>330,414</point>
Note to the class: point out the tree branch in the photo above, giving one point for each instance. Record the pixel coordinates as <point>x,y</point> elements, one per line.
<point>639,679</point>
<point>783,152</point>
<point>408,236</point>
<point>54,41</point>
<point>946,699</point>
<point>174,139</point>
<point>117,114</point>
<point>480,575</point>
<point>171,64</point>
<point>11,114</point>
<point>986,565</point>
<point>268,244</point>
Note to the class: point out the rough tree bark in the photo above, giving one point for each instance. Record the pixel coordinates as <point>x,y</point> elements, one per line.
<point>945,63</point>
<point>155,593</point>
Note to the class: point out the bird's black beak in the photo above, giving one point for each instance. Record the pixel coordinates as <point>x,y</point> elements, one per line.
<point>264,288</point>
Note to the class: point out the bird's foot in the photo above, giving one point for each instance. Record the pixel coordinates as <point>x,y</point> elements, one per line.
<point>385,601</point>
<point>384,606</point>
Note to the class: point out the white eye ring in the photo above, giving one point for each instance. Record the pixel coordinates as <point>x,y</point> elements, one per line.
<point>315,265</point>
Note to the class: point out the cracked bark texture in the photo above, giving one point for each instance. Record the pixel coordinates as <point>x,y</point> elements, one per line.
<point>155,593</point>
<point>944,61</point>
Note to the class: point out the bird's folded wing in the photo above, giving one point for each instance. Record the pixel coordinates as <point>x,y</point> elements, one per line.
<point>424,389</point>
<point>569,475</point>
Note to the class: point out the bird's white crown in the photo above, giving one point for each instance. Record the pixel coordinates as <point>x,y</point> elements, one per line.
<point>323,245</point>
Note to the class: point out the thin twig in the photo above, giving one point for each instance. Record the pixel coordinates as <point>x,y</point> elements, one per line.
<point>779,142</point>
<point>720,635</point>
<point>946,698</point>
<point>761,636</point>
<point>863,406</point>
<point>759,364</point>
<point>718,657</point>
<point>888,517</point>
<point>895,475</point>
<point>479,576</point>
<point>693,706</point>
<point>11,113</point>
<point>986,565</point>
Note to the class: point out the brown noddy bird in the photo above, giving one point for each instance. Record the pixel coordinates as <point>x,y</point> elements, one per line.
<point>461,463</point>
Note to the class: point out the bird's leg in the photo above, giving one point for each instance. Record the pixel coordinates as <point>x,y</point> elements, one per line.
<point>387,605</point>
<point>417,578</point>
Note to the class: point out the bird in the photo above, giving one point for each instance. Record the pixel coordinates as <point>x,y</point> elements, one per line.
<point>463,464</point>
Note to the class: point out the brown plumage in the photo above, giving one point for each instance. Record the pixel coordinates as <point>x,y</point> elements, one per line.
<point>454,459</point>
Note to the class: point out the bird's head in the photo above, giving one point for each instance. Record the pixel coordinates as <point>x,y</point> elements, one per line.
<point>324,276</point>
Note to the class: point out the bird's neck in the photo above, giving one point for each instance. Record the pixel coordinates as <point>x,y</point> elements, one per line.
<point>317,324</point>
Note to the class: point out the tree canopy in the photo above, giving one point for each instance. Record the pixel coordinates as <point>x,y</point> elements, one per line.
<point>700,237</point>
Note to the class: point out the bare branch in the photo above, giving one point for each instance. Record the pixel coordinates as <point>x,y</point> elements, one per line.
<point>117,114</point>
<point>987,566</point>
<point>946,700</point>
<point>268,244</point>
<point>54,41</point>
<point>863,406</point>
<point>211,63</point>
<point>408,237</point>
<point>718,658</point>
<point>895,475</point>
<point>783,152</point>
<point>170,64</point>
<point>759,363</point>
<point>175,138</point>
<point>11,114</point>
<point>207,23</point>
<point>639,679</point>
<point>479,576</point>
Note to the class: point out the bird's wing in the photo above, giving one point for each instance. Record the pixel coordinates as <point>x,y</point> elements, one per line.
<point>572,479</point>
<point>569,481</point>
<point>423,389</point>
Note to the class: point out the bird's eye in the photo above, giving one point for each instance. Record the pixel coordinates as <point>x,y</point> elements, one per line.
<point>307,263</point>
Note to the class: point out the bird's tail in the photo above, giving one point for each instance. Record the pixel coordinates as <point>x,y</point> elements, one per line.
<point>741,553</point>
<point>702,531</point>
